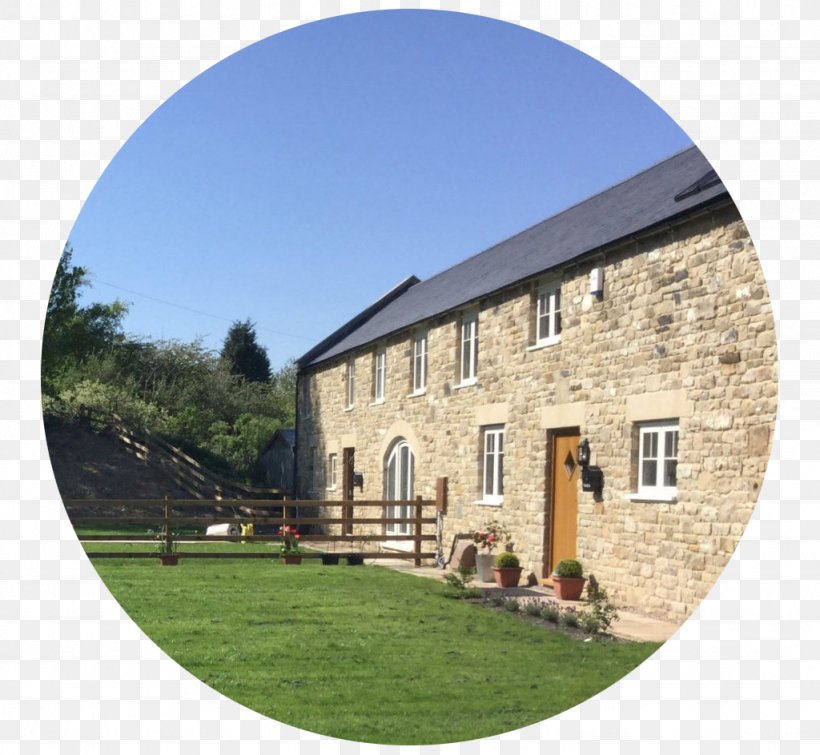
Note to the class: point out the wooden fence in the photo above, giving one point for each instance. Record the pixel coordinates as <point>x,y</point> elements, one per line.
<point>264,513</point>
<point>186,472</point>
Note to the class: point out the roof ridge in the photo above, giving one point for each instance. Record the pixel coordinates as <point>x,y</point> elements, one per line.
<point>580,202</point>
<point>632,205</point>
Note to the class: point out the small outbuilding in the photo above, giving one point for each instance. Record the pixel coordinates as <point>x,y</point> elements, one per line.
<point>277,458</point>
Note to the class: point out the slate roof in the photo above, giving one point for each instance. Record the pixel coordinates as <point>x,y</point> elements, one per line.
<point>288,434</point>
<point>677,186</point>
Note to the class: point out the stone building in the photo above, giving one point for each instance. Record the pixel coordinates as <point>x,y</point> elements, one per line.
<point>638,320</point>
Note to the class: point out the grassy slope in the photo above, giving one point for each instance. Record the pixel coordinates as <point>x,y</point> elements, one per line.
<point>361,653</point>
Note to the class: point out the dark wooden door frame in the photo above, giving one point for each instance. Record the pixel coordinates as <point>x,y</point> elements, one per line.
<point>549,470</point>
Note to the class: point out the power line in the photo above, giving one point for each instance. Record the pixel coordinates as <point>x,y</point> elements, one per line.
<point>200,312</point>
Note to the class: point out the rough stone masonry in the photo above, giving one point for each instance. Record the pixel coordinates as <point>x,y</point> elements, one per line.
<point>684,331</point>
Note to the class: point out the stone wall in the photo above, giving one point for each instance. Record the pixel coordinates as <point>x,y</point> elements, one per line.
<point>684,330</point>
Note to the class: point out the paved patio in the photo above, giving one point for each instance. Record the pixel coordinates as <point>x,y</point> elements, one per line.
<point>631,625</point>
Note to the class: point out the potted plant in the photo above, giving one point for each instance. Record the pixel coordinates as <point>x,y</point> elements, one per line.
<point>507,569</point>
<point>485,540</point>
<point>290,545</point>
<point>568,579</point>
<point>166,548</point>
<point>330,559</point>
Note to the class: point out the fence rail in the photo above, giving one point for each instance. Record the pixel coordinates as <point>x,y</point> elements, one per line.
<point>186,471</point>
<point>287,513</point>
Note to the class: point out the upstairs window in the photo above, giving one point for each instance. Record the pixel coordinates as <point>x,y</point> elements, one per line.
<point>351,383</point>
<point>493,462</point>
<point>420,363</point>
<point>658,460</point>
<point>469,348</point>
<point>548,314</point>
<point>379,375</point>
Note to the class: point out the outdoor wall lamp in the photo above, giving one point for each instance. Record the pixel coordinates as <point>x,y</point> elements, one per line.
<point>358,480</point>
<point>583,453</point>
<point>592,478</point>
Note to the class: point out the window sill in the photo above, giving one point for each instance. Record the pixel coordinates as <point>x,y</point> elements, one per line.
<point>331,489</point>
<point>649,497</point>
<point>546,343</point>
<point>465,384</point>
<point>489,502</point>
<point>416,394</point>
<point>377,402</point>
<point>349,408</point>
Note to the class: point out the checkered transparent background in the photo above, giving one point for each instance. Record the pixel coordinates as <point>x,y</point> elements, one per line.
<point>77,78</point>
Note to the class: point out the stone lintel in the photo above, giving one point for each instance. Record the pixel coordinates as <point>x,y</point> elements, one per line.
<point>571,414</point>
<point>491,414</point>
<point>645,407</point>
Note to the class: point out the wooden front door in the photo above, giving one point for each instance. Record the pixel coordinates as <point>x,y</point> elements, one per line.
<point>563,519</point>
<point>348,456</point>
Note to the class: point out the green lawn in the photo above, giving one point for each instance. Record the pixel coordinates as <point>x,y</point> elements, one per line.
<point>360,653</point>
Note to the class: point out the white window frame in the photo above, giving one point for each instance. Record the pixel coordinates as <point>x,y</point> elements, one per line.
<point>403,462</point>
<point>351,384</point>
<point>468,337</point>
<point>379,375</point>
<point>419,364</point>
<point>548,314</point>
<point>666,449</point>
<point>492,458</point>
<point>333,466</point>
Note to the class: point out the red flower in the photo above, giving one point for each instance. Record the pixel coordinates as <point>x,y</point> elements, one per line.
<point>297,536</point>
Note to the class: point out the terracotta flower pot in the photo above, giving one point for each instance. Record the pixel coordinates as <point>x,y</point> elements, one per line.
<point>568,588</point>
<point>169,559</point>
<point>292,558</point>
<point>507,576</point>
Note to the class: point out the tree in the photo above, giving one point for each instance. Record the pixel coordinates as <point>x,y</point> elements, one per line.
<point>73,333</point>
<point>244,355</point>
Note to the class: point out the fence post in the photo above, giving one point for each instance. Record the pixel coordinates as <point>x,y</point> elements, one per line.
<point>417,544</point>
<point>441,495</point>
<point>167,527</point>
<point>441,510</point>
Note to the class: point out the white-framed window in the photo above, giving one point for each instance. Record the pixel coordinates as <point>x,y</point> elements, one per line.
<point>658,459</point>
<point>379,375</point>
<point>492,478</point>
<point>548,314</point>
<point>399,481</point>
<point>469,348</point>
<point>332,470</point>
<point>351,383</point>
<point>420,363</point>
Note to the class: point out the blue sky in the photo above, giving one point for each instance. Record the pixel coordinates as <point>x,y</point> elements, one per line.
<point>301,178</point>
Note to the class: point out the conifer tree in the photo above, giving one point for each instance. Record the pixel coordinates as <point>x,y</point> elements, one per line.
<point>244,355</point>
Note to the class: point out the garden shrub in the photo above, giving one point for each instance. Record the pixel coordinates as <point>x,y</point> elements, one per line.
<point>507,560</point>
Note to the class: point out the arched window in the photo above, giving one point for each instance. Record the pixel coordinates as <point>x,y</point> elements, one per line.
<point>399,474</point>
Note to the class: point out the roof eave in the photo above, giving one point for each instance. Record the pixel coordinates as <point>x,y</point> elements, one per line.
<point>356,322</point>
<point>685,215</point>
